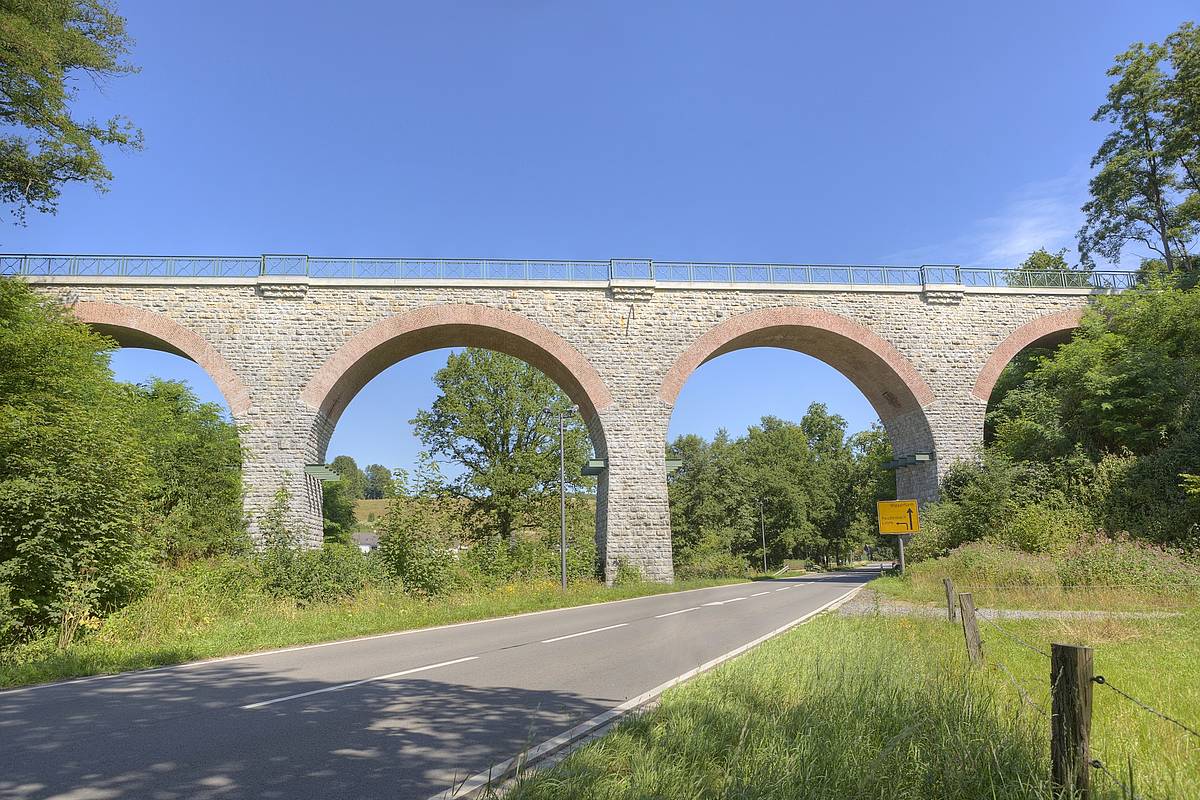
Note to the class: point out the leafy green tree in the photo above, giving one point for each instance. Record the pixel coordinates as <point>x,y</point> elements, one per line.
<point>45,46</point>
<point>194,460</point>
<point>1124,382</point>
<point>378,482</point>
<point>1044,268</point>
<point>1147,190</point>
<point>703,500</point>
<point>354,480</point>
<point>73,476</point>
<point>813,487</point>
<point>1109,420</point>
<point>337,510</point>
<point>490,422</point>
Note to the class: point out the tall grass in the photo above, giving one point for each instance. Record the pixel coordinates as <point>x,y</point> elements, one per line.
<point>1096,573</point>
<point>889,708</point>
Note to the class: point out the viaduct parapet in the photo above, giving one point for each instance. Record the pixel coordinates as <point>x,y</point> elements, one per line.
<point>290,351</point>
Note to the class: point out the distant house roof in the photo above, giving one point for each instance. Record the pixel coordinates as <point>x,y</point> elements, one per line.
<point>365,538</point>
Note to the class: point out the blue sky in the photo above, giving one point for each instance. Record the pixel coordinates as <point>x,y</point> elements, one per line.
<point>853,132</point>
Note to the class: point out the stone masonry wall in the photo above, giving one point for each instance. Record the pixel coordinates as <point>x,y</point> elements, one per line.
<point>275,339</point>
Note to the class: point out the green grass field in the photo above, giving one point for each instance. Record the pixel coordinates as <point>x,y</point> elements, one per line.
<point>196,615</point>
<point>885,707</point>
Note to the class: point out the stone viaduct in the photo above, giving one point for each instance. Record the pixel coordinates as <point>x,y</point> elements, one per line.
<point>290,340</point>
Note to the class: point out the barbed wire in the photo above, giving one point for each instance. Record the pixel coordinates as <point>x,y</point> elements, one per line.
<point>1080,587</point>
<point>1012,636</point>
<point>1100,679</point>
<point>1026,698</point>
<point>1096,763</point>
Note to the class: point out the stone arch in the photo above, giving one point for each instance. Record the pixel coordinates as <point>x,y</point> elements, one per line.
<point>389,341</point>
<point>1044,331</point>
<point>888,380</point>
<point>135,327</point>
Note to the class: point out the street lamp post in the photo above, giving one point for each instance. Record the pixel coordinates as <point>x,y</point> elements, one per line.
<point>762,526</point>
<point>562,493</point>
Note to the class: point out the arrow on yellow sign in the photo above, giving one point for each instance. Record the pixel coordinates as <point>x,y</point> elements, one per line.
<point>898,516</point>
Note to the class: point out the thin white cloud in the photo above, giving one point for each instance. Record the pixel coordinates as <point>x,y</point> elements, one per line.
<point>1042,214</point>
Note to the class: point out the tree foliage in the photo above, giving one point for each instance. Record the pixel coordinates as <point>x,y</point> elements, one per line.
<point>1100,432</point>
<point>354,480</point>
<point>73,476</point>
<point>337,511</point>
<point>810,486</point>
<point>46,47</point>
<point>194,458</point>
<point>1147,187</point>
<point>490,424</point>
<point>98,479</point>
<point>378,482</point>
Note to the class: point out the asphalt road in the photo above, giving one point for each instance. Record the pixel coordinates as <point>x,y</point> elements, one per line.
<point>402,715</point>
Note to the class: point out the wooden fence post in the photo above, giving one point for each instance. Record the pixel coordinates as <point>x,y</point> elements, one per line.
<point>1070,720</point>
<point>949,584</point>
<point>966,604</point>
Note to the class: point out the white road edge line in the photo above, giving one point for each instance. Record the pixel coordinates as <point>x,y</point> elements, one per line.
<point>339,687</point>
<point>294,648</point>
<point>498,772</point>
<point>583,633</point>
<point>680,611</point>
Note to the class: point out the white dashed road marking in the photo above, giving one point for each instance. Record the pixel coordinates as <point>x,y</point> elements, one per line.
<point>680,611</point>
<point>583,633</point>
<point>339,687</point>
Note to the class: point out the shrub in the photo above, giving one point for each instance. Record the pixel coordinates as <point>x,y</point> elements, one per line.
<point>1100,561</point>
<point>307,576</point>
<point>414,551</point>
<point>486,562</point>
<point>990,564</point>
<point>627,574</point>
<point>713,564</point>
<point>321,575</point>
<point>1042,528</point>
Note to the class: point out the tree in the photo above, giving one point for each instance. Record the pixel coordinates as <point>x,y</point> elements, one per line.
<point>45,46</point>
<point>337,511</point>
<point>73,476</point>
<point>1147,190</point>
<point>490,421</point>
<point>354,480</point>
<point>378,482</point>
<point>1113,416</point>
<point>194,460</point>
<point>703,499</point>
<point>816,490</point>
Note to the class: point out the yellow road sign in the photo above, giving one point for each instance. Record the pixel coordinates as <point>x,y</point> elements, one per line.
<point>898,516</point>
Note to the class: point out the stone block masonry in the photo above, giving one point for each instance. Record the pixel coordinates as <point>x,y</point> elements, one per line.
<point>289,355</point>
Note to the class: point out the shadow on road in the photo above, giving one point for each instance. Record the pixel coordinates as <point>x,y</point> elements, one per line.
<point>170,735</point>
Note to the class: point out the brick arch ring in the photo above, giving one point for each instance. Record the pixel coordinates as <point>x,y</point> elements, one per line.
<point>888,380</point>
<point>375,349</point>
<point>136,327</point>
<point>1050,329</point>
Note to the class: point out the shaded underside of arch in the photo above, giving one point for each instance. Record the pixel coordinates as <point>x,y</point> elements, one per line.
<point>1047,331</point>
<point>389,341</point>
<point>130,326</point>
<point>885,377</point>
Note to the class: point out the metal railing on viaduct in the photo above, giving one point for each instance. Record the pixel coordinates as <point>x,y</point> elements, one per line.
<point>487,269</point>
